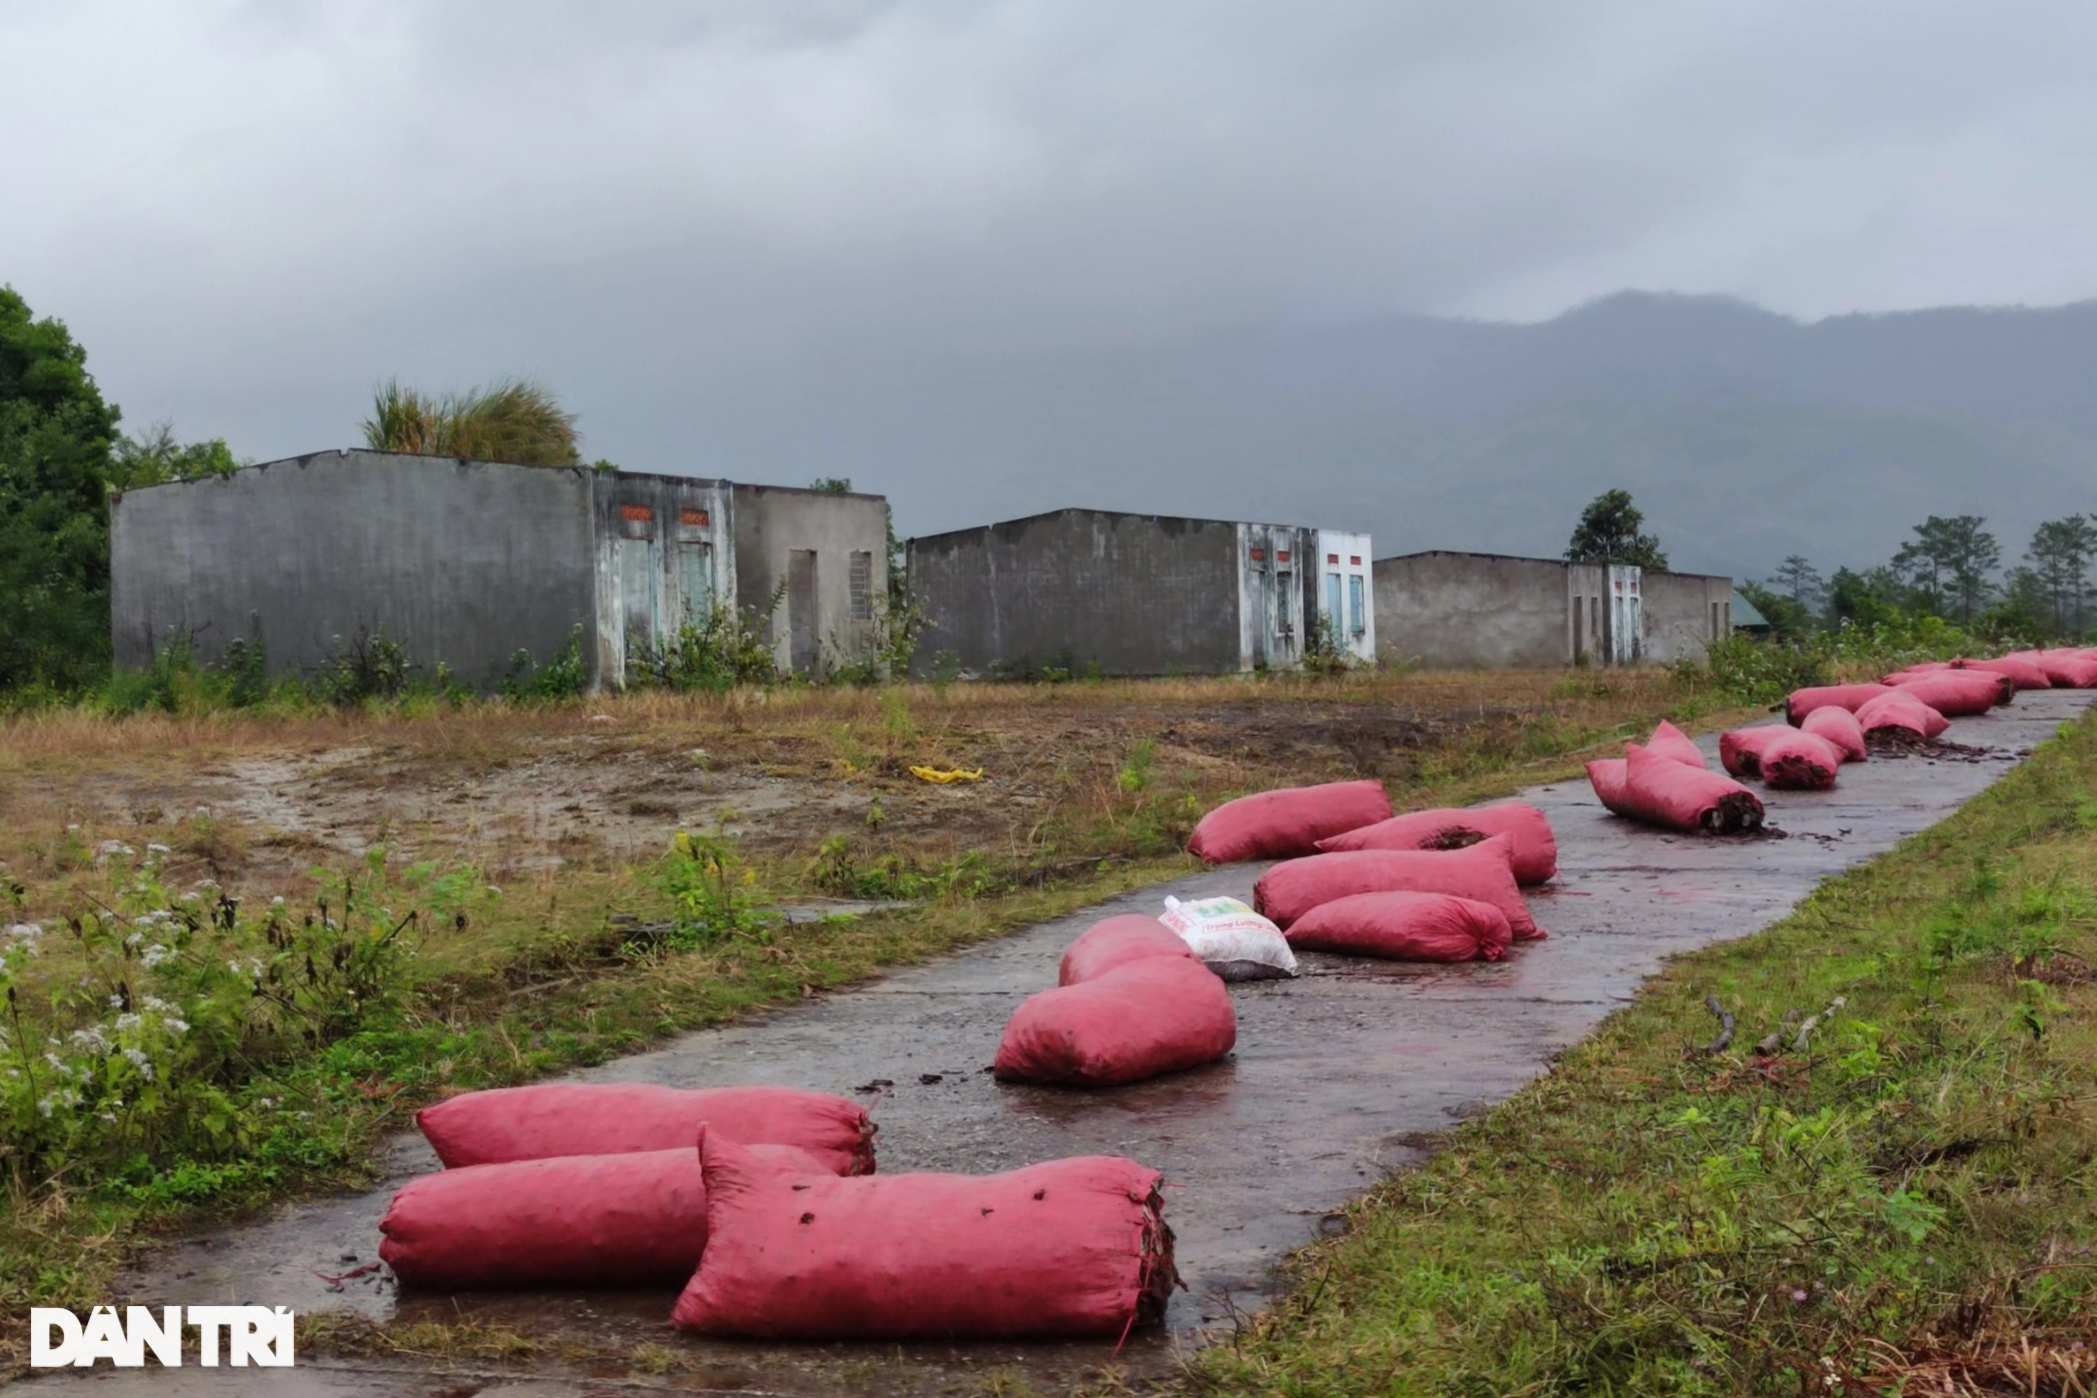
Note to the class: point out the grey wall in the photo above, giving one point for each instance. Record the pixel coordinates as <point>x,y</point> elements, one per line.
<point>1678,614</point>
<point>771,524</point>
<point>1476,611</point>
<point>1131,594</point>
<point>461,562</point>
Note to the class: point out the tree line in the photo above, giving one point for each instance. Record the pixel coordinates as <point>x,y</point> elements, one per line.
<point>1950,567</point>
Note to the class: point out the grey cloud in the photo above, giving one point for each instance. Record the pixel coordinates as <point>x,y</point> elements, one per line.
<point>706,223</point>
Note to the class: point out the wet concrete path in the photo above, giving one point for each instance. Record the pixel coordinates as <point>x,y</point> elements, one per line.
<point>1336,1078</point>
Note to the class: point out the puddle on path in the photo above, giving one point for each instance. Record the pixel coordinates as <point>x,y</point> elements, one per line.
<point>1338,1077</point>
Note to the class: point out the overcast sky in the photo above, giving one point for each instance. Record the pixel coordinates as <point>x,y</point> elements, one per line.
<point>249,212</point>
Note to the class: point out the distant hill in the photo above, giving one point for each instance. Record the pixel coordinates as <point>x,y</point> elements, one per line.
<point>1744,435</point>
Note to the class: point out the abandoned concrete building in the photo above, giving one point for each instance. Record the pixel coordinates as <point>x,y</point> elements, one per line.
<point>1106,592</point>
<point>1480,610</point>
<point>470,563</point>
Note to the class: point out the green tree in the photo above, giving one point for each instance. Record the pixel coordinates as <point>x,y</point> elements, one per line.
<point>55,439</point>
<point>155,456</point>
<point>832,485</point>
<point>1783,612</point>
<point>1948,565</point>
<point>1800,581</point>
<point>512,420</point>
<point>1865,599</point>
<point>1608,532</point>
<point>2059,589</point>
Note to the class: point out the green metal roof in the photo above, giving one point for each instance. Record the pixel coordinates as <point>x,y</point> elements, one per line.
<point>1744,613</point>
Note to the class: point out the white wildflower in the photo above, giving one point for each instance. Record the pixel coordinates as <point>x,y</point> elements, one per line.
<point>126,1023</point>
<point>277,902</point>
<point>141,1062</point>
<point>157,1005</point>
<point>25,932</point>
<point>155,954</point>
<point>159,849</point>
<point>135,939</point>
<point>116,1002</point>
<point>90,1040</point>
<point>174,1025</point>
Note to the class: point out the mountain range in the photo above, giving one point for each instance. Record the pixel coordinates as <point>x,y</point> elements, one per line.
<point>1744,435</point>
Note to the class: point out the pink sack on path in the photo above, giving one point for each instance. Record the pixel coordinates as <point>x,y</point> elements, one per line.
<point>1291,821</point>
<point>2068,671</point>
<point>1676,796</point>
<point>1785,758</point>
<point>1839,727</point>
<point>568,1221</point>
<point>1405,927</point>
<point>1671,742</point>
<point>1535,857</point>
<point>571,1118</point>
<point>2024,674</point>
<point>1960,693</point>
<point>1899,711</point>
<point>1116,942</point>
<point>1151,1016</point>
<point>1842,696</point>
<point>1606,776</point>
<point>1483,871</point>
<point>1069,1248</point>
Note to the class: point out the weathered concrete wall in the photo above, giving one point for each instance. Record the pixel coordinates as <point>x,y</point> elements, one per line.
<point>461,562</point>
<point>664,553</point>
<point>807,540</point>
<point>1474,610</point>
<point>1130,594</point>
<point>1680,615</point>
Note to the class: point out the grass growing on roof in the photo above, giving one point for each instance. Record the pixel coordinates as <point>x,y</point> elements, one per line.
<point>1908,1203</point>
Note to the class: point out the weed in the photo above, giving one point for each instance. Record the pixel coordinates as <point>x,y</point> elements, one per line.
<point>713,894</point>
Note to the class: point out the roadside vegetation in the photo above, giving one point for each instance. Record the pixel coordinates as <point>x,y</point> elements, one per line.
<point>1894,1197</point>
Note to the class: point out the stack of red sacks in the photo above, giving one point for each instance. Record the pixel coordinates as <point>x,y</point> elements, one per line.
<point>1666,782</point>
<point>791,1238</point>
<point>1132,1001</point>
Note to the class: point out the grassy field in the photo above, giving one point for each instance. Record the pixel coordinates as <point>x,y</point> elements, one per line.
<point>1905,1203</point>
<point>239,949</point>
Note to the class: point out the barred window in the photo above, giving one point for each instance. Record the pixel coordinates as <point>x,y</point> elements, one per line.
<point>862,587</point>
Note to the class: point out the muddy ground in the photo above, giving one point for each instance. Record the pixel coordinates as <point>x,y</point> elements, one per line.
<point>257,803</point>
<point>1339,1076</point>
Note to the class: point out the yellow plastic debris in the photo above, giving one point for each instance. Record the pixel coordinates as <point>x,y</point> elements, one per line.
<point>959,774</point>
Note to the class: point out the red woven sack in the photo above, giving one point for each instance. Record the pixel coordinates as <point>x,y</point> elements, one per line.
<point>1674,795</point>
<point>1960,693</point>
<point>2022,673</point>
<point>1291,821</point>
<point>1155,1015</point>
<point>1405,927</point>
<point>567,1221</point>
<point>1785,758</point>
<point>1116,942</point>
<point>1535,857</point>
<point>1482,871</point>
<point>1671,742</point>
<point>1900,711</point>
<point>1838,727</point>
<point>2067,670</point>
<point>1606,776</point>
<point>1069,1248</point>
<point>563,1118</point>
<point>1842,696</point>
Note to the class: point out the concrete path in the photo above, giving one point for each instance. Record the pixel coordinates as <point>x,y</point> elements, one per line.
<point>1337,1077</point>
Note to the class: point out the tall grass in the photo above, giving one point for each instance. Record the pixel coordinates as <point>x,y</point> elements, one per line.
<point>510,420</point>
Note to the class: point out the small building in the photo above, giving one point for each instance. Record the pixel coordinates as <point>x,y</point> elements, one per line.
<point>1449,610</point>
<point>1112,593</point>
<point>471,564</point>
<point>1747,617</point>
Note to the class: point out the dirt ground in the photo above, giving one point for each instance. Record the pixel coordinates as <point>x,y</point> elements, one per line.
<point>257,802</point>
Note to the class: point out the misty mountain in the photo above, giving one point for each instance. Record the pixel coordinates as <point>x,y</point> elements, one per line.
<point>1744,435</point>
